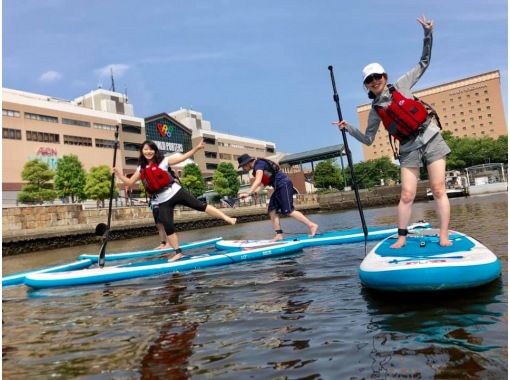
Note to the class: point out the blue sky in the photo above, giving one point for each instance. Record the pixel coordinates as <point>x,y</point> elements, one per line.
<point>253,68</point>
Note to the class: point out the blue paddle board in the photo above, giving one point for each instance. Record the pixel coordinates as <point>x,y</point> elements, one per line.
<point>423,265</point>
<point>150,252</point>
<point>17,278</point>
<point>327,238</point>
<point>128,271</point>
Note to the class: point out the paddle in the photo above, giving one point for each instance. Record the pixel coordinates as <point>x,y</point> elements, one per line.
<point>104,229</point>
<point>349,158</point>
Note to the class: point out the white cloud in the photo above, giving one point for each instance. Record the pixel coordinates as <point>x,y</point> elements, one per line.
<point>119,69</point>
<point>50,76</point>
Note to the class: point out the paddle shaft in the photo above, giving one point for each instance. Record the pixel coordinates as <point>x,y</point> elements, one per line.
<point>102,253</point>
<point>349,156</point>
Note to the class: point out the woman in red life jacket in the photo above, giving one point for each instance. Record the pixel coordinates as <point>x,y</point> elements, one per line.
<point>164,192</point>
<point>418,132</point>
<point>268,173</point>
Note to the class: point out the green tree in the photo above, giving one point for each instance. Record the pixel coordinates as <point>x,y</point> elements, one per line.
<point>39,188</point>
<point>469,151</point>
<point>97,184</point>
<point>327,174</point>
<point>369,173</point>
<point>193,179</point>
<point>225,180</point>
<point>70,178</point>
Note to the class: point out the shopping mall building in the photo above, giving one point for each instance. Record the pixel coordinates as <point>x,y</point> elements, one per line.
<point>46,128</point>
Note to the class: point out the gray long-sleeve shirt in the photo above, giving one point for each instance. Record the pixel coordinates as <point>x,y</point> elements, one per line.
<point>403,85</point>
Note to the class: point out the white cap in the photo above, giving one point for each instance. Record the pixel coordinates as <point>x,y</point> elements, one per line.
<point>372,68</point>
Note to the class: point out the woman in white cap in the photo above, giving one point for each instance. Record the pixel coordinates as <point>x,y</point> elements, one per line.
<point>417,128</point>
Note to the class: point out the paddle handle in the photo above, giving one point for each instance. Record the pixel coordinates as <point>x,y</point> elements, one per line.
<point>102,253</point>
<point>349,155</point>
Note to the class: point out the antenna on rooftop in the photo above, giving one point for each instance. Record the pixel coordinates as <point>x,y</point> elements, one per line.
<point>111,76</point>
<point>125,94</point>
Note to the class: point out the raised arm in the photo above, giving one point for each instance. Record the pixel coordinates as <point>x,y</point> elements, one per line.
<point>175,160</point>
<point>125,180</point>
<point>411,77</point>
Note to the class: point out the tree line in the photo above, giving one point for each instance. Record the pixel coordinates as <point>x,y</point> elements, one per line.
<point>70,180</point>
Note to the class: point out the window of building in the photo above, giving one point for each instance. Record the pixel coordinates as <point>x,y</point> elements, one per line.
<point>225,156</point>
<point>77,140</point>
<point>131,161</point>
<point>462,113</point>
<point>489,115</point>
<point>102,143</point>
<point>270,149</point>
<point>10,113</point>
<point>78,123</point>
<point>210,166</point>
<point>104,126</point>
<point>488,107</point>
<point>35,116</point>
<point>479,117</point>
<point>486,99</point>
<point>12,134</point>
<point>485,92</point>
<point>468,96</point>
<point>476,93</point>
<point>43,137</point>
<point>132,128</point>
<point>211,154</point>
<point>209,140</point>
<point>132,146</point>
<point>482,132</point>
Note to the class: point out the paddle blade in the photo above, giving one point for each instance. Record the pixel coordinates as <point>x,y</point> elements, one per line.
<point>101,228</point>
<point>102,253</point>
<point>230,202</point>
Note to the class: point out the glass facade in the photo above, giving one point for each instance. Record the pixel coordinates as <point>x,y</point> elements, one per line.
<point>168,136</point>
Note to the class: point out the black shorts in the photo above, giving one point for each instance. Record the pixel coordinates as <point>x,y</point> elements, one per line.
<point>165,214</point>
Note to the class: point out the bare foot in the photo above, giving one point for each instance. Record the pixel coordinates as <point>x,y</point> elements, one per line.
<point>401,242</point>
<point>231,221</point>
<point>278,237</point>
<point>160,246</point>
<point>175,257</point>
<point>444,242</point>
<point>313,229</point>
<point>164,246</point>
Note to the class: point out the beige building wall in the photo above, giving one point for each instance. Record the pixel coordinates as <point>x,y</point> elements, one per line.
<point>219,147</point>
<point>469,107</point>
<point>27,117</point>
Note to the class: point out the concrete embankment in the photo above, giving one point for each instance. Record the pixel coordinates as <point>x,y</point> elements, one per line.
<point>33,228</point>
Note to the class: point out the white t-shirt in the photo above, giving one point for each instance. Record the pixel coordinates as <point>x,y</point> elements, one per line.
<point>165,195</point>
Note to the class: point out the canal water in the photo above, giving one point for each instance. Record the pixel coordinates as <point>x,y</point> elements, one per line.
<point>304,316</point>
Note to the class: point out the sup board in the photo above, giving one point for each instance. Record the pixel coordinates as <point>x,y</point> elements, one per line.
<point>327,238</point>
<point>17,278</point>
<point>423,265</point>
<point>151,252</point>
<point>128,271</point>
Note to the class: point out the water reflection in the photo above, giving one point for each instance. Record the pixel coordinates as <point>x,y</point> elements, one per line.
<point>445,332</point>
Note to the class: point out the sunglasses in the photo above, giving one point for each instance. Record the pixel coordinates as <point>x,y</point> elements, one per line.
<point>372,77</point>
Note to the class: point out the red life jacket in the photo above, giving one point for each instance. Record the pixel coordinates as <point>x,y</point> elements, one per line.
<point>269,176</point>
<point>155,179</point>
<point>403,117</point>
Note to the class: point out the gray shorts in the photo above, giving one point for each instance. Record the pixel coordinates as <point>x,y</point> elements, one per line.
<point>434,150</point>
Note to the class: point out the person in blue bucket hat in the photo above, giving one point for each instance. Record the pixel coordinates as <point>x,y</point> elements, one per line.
<point>268,173</point>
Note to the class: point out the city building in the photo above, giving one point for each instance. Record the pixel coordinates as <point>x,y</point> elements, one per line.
<point>468,107</point>
<point>219,147</point>
<point>43,127</point>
